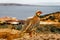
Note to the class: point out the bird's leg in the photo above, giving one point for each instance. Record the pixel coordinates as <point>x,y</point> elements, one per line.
<point>28,27</point>
<point>25,29</point>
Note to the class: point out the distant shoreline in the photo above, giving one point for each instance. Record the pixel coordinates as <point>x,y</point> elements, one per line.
<point>17,4</point>
<point>14,4</point>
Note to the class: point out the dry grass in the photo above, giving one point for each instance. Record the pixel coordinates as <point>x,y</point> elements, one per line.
<point>41,36</point>
<point>12,34</point>
<point>9,34</point>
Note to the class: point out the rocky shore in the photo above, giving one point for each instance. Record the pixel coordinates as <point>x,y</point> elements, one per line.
<point>48,29</point>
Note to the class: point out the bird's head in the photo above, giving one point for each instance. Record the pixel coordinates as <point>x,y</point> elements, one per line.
<point>38,13</point>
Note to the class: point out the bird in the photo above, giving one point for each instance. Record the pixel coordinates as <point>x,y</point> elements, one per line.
<point>32,23</point>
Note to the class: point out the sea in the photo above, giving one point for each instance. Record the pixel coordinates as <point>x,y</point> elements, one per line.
<point>22,12</point>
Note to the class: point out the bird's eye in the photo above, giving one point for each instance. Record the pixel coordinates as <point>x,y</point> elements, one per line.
<point>38,13</point>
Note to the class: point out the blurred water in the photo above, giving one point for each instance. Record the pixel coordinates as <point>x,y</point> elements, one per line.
<point>22,12</point>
